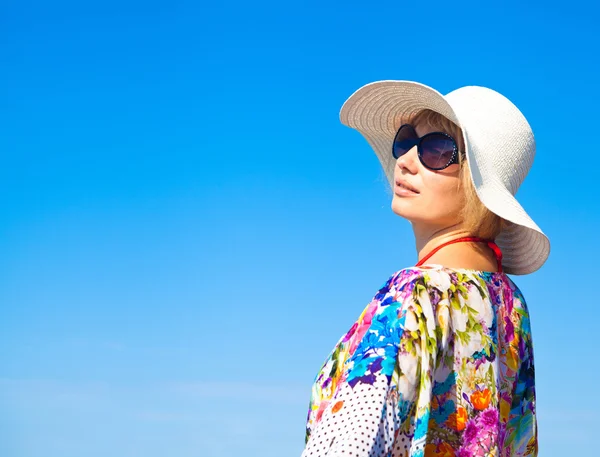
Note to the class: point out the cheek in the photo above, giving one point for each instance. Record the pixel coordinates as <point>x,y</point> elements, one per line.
<point>444,193</point>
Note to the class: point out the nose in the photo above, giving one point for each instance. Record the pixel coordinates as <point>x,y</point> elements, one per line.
<point>409,160</point>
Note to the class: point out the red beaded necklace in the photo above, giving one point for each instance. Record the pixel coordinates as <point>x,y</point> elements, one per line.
<point>490,243</point>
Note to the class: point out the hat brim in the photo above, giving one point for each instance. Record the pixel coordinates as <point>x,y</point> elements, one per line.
<point>377,109</point>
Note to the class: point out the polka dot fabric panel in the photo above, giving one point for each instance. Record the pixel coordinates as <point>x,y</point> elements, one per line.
<point>438,364</point>
<point>358,422</point>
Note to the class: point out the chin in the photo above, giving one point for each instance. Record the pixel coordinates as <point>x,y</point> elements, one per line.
<point>402,208</point>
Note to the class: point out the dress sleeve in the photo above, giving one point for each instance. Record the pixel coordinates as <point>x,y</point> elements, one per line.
<point>371,412</point>
<point>521,428</point>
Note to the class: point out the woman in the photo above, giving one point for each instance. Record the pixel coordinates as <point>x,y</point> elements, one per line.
<point>440,362</point>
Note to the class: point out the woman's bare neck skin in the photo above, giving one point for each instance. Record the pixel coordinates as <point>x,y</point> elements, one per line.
<point>470,255</point>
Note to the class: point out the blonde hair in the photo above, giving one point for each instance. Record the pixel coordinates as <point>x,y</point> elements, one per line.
<point>477,219</point>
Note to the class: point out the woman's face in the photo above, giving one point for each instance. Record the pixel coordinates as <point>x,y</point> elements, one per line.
<point>440,196</point>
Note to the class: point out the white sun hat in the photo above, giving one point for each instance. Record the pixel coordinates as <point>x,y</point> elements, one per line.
<point>499,144</point>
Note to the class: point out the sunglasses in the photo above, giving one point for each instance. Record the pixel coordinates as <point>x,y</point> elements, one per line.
<point>436,150</point>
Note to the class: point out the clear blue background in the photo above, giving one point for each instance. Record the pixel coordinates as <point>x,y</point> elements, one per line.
<point>186,229</point>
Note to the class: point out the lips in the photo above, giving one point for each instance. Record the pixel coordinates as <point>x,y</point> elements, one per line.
<point>406,185</point>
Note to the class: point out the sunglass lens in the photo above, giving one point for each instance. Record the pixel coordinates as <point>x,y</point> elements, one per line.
<point>437,151</point>
<point>404,141</point>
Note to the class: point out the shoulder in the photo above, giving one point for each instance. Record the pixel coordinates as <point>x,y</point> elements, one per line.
<point>442,279</point>
<point>436,296</point>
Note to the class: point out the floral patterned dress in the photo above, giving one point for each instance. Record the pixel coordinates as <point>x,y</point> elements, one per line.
<point>439,363</point>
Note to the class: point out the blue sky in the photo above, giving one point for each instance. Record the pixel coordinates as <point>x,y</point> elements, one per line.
<point>187,229</point>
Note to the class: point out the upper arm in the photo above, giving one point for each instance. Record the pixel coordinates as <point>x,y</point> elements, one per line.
<point>367,412</point>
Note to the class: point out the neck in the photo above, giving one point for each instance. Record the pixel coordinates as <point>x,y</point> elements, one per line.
<point>460,255</point>
<point>427,238</point>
